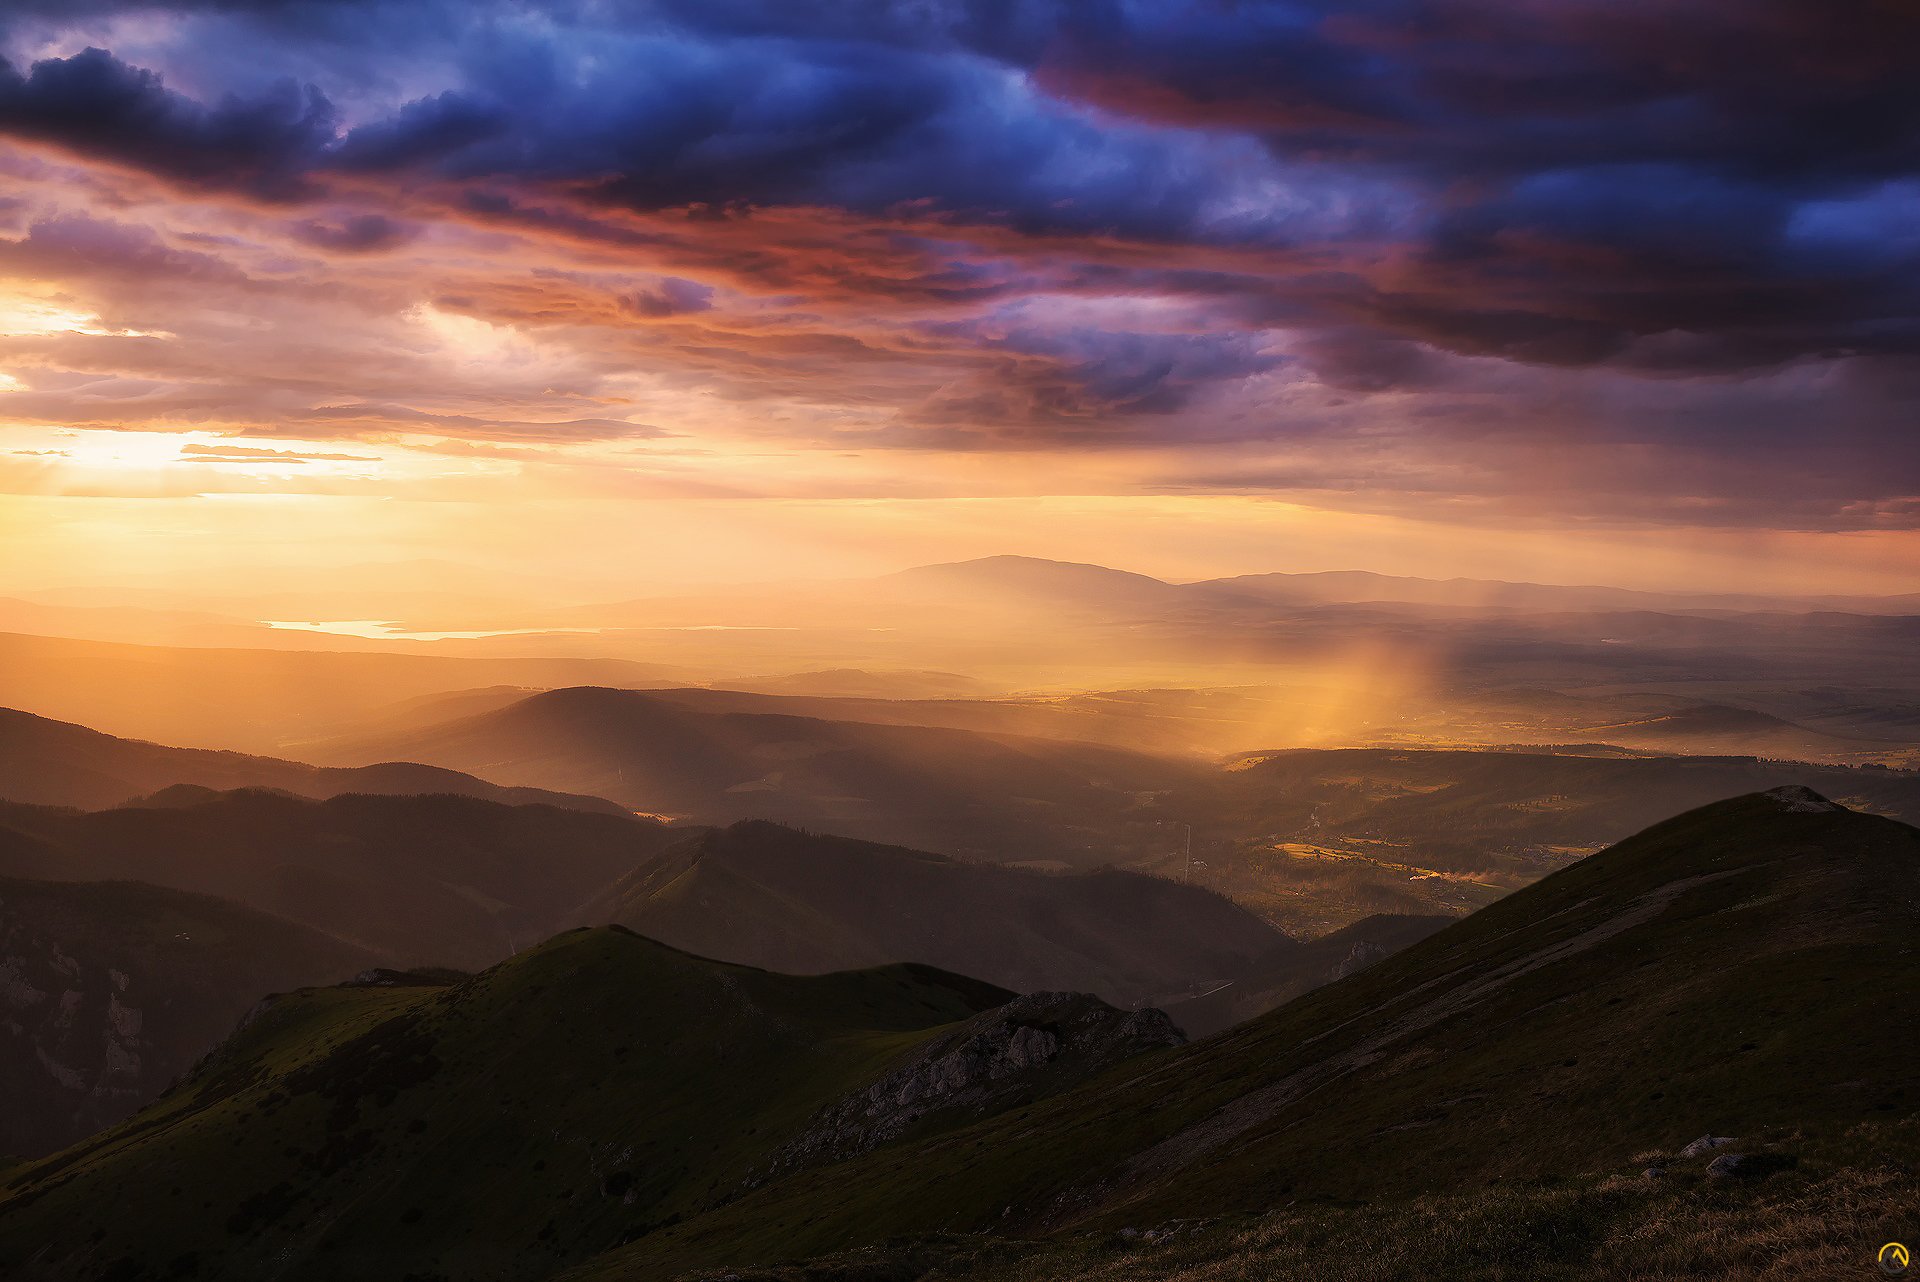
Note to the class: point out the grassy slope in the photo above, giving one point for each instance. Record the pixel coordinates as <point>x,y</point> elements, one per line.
<point>1729,970</point>
<point>1823,1220</point>
<point>1300,967</point>
<point>584,1091</point>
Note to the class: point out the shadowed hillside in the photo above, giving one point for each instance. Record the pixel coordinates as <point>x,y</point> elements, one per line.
<point>113,989</point>
<point>1294,967</point>
<point>587,1092</point>
<point>786,900</point>
<point>611,1106</point>
<point>1730,971</point>
<point>950,790</point>
<point>52,763</point>
<point>418,880</point>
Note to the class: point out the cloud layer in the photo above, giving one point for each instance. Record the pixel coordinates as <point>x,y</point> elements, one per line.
<point>1395,254</point>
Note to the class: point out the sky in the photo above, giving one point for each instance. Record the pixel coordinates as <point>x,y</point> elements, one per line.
<point>1572,290</point>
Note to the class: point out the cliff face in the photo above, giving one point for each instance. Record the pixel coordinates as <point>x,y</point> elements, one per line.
<point>71,1038</point>
<point>109,991</point>
<point>1002,1058</point>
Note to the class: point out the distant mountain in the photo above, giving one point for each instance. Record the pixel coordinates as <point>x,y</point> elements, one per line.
<point>857,683</point>
<point>53,763</point>
<point>955,791</point>
<point>791,901</point>
<point>1707,728</point>
<point>1032,583</point>
<point>589,1092</point>
<point>262,700</point>
<point>109,991</point>
<point>414,879</point>
<point>1358,586</point>
<point>1730,972</point>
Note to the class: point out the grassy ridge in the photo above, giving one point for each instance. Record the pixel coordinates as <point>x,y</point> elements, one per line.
<point>584,1092</point>
<point>1731,970</point>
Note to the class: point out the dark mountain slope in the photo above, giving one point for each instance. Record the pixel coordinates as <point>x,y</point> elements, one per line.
<point>109,991</point>
<point>955,791</point>
<point>418,880</point>
<point>1292,968</point>
<point>770,896</point>
<point>53,763</point>
<point>1732,970</point>
<point>588,1091</point>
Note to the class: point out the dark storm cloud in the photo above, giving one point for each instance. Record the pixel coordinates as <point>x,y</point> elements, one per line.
<point>1770,88</point>
<point>1059,379</point>
<point>671,296</point>
<point>94,104</point>
<point>354,233</point>
<point>1597,175</point>
<point>1402,198</point>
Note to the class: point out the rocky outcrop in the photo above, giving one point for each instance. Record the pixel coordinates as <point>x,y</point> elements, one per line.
<point>109,991</point>
<point>1706,1144</point>
<point>1801,800</point>
<point>1029,1048</point>
<point>72,1044</point>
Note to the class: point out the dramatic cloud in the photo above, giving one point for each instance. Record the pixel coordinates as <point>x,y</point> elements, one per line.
<point>1405,246</point>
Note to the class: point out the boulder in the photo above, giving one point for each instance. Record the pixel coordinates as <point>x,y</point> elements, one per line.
<point>1706,1144</point>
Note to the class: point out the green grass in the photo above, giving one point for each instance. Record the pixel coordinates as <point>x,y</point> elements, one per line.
<point>592,1089</point>
<point>1825,1221</point>
<point>1759,995</point>
<point>1478,1105</point>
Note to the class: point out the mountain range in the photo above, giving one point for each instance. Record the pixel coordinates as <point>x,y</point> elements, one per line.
<point>1001,797</point>
<point>1729,972</point>
<point>792,901</point>
<point>414,880</point>
<point>591,1089</point>
<point>1708,1000</point>
<point>54,763</point>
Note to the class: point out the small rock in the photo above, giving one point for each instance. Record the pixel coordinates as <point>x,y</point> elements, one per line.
<point>1706,1144</point>
<point>1654,1172</point>
<point>1727,1164</point>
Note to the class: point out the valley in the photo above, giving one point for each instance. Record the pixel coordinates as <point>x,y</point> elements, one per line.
<point>1143,978</point>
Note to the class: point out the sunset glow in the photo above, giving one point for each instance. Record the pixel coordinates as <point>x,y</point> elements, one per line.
<point>427,273</point>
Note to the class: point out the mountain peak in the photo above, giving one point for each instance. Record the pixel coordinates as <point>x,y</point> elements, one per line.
<point>1800,799</point>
